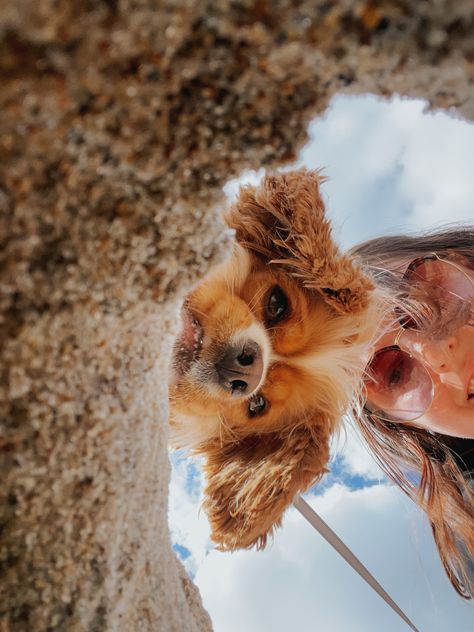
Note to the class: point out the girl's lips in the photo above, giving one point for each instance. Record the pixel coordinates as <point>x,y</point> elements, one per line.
<point>188,344</point>
<point>469,370</point>
<point>470,388</point>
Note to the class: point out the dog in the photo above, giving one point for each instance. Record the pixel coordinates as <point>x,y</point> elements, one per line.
<point>272,348</point>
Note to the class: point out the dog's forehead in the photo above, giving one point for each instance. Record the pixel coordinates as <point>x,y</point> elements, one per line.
<point>234,270</point>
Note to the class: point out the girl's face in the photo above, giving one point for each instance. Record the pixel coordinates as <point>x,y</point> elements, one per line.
<point>450,363</point>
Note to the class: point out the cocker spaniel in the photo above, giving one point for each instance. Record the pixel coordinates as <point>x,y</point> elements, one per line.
<point>270,354</point>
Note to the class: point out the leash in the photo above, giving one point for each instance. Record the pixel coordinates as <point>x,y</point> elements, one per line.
<point>328,534</point>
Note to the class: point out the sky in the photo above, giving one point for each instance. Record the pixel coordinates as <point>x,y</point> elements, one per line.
<point>392,167</point>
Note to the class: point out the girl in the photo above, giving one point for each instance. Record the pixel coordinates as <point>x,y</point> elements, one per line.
<point>418,416</point>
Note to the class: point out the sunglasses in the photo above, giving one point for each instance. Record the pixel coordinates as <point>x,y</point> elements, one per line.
<point>400,387</point>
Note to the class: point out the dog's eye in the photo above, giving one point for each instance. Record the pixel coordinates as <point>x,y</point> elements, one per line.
<point>257,405</point>
<point>277,307</point>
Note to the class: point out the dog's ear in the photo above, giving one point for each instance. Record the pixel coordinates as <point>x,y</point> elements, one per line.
<point>283,220</point>
<point>250,483</point>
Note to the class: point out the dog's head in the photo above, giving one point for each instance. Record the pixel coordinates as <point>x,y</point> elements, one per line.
<point>270,354</point>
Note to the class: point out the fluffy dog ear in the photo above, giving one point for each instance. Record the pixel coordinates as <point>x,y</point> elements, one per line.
<point>250,483</point>
<point>283,220</point>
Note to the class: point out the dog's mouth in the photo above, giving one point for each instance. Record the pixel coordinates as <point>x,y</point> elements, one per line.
<point>188,344</point>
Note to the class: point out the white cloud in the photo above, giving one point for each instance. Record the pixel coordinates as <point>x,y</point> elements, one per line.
<point>392,166</point>
<point>189,525</point>
<point>356,459</point>
<point>437,171</point>
<point>231,189</point>
<point>301,584</point>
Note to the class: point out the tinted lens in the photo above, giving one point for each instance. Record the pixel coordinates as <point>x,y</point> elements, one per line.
<point>443,282</point>
<point>398,386</point>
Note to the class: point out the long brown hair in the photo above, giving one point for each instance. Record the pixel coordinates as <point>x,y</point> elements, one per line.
<point>426,466</point>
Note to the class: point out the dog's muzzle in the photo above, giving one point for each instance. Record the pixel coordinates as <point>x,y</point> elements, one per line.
<point>240,369</point>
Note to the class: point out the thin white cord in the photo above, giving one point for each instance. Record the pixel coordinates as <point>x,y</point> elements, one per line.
<point>328,534</point>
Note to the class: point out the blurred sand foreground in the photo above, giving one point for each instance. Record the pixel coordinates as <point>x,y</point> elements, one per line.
<point>120,122</point>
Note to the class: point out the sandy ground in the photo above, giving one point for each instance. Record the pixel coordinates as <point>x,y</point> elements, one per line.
<point>120,122</point>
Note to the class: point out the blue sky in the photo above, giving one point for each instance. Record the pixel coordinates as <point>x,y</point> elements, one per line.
<point>392,168</point>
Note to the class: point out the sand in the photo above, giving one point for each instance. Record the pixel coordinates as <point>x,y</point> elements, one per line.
<point>120,122</point>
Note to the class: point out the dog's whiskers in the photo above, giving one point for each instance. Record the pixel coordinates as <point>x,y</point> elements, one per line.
<point>198,312</point>
<point>224,424</point>
<point>256,297</point>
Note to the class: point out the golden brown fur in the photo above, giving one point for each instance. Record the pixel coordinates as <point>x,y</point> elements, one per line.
<point>312,358</point>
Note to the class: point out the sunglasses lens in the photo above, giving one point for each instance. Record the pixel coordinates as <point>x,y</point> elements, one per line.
<point>398,385</point>
<point>443,276</point>
<point>443,282</point>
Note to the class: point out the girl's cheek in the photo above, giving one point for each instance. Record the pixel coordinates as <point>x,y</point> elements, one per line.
<point>447,416</point>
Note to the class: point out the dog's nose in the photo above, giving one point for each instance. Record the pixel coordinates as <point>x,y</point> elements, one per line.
<point>240,370</point>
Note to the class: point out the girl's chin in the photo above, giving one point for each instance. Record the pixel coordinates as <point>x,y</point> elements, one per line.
<point>458,421</point>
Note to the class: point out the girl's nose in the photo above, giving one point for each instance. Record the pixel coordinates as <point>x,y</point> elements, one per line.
<point>440,355</point>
